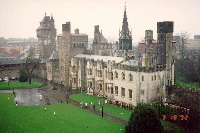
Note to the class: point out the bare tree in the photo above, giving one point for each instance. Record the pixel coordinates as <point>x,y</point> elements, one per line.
<point>184,36</point>
<point>31,65</point>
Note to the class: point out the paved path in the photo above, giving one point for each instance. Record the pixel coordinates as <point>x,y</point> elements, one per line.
<point>6,91</point>
<point>98,112</point>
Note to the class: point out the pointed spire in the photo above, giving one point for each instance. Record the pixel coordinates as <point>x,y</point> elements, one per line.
<point>45,13</point>
<point>125,7</point>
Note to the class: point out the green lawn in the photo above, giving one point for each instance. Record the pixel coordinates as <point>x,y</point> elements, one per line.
<point>171,127</point>
<point>116,111</point>
<point>68,118</point>
<point>83,97</point>
<point>19,85</point>
<point>191,85</point>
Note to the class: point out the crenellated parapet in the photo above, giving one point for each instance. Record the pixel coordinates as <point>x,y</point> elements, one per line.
<point>138,68</point>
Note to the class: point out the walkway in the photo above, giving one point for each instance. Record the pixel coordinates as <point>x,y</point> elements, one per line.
<point>98,112</point>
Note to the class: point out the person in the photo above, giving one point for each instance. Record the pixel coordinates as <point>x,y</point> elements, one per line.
<point>94,107</point>
<point>86,105</point>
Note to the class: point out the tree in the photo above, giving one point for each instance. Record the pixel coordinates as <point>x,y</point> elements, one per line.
<point>144,118</point>
<point>184,37</point>
<point>23,77</point>
<point>31,65</point>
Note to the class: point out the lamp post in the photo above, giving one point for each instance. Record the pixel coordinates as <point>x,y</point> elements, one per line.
<point>102,108</point>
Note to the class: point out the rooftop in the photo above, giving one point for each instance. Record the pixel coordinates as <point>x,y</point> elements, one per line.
<point>104,58</point>
<point>132,63</point>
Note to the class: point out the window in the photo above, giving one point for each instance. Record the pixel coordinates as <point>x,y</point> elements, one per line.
<point>90,71</point>
<point>106,87</point>
<point>123,76</point>
<point>90,84</point>
<point>73,69</point>
<point>158,90</point>
<point>123,92</point>
<point>130,77</point>
<point>111,90</point>
<point>155,77</point>
<point>116,90</point>
<point>116,75</point>
<point>130,94</point>
<point>142,92</point>
<point>100,73</point>
<point>100,86</point>
<point>142,78</point>
<point>111,75</point>
<point>152,78</point>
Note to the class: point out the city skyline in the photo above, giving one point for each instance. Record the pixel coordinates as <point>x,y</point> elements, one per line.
<point>20,19</point>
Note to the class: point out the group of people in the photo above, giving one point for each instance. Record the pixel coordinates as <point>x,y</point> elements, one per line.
<point>86,105</point>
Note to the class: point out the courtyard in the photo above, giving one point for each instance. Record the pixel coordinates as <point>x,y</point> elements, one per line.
<point>30,114</point>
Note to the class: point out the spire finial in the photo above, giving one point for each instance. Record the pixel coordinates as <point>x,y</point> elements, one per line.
<point>125,7</point>
<point>45,13</point>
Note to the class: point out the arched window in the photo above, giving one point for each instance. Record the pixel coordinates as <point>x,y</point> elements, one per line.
<point>100,73</point>
<point>116,75</point>
<point>111,75</point>
<point>130,77</point>
<point>123,76</point>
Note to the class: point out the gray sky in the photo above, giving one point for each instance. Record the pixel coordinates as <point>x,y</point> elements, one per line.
<point>20,18</point>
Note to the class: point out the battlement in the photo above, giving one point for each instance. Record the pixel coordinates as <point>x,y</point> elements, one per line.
<point>138,68</point>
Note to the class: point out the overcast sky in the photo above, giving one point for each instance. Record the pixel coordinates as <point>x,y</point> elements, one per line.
<point>20,18</point>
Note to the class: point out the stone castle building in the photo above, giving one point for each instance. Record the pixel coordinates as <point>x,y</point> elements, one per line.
<point>100,45</point>
<point>70,44</point>
<point>46,34</point>
<point>119,78</point>
<point>148,48</point>
<point>124,46</point>
<point>127,81</point>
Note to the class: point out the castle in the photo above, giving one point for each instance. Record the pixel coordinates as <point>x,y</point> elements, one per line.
<point>119,77</point>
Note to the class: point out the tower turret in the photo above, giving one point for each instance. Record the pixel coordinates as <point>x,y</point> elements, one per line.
<point>125,37</point>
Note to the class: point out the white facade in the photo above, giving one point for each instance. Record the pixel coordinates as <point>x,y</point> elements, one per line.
<point>111,77</point>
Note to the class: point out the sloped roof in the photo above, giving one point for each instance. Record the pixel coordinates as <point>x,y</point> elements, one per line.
<point>42,27</point>
<point>5,55</point>
<point>132,63</point>
<point>9,62</point>
<point>104,58</point>
<point>54,56</point>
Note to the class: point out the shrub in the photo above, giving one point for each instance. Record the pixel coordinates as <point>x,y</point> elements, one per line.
<point>23,77</point>
<point>144,118</point>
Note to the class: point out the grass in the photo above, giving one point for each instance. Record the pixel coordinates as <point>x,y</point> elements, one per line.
<point>18,85</point>
<point>116,111</point>
<point>171,127</point>
<point>68,118</point>
<point>191,85</point>
<point>83,97</point>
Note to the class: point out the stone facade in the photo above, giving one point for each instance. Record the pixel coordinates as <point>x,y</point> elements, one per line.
<point>69,45</point>
<point>46,34</point>
<point>100,45</point>
<point>111,77</point>
<point>148,48</point>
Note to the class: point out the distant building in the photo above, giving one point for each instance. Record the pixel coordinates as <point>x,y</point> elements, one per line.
<point>148,48</point>
<point>2,41</point>
<point>196,36</point>
<point>125,36</point>
<point>124,46</point>
<point>70,44</point>
<point>100,45</point>
<point>46,34</point>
